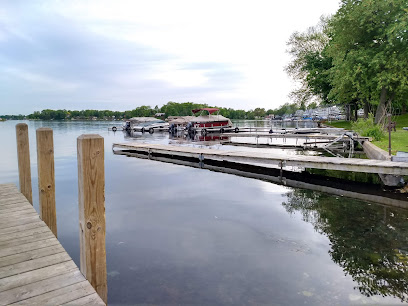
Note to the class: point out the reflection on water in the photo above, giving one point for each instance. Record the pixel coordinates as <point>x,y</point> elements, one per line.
<point>369,242</point>
<point>180,235</point>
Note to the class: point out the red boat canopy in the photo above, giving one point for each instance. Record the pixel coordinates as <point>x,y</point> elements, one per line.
<point>210,110</point>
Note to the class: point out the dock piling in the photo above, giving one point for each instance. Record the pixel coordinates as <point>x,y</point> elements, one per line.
<point>23,155</point>
<point>46,177</point>
<point>91,194</point>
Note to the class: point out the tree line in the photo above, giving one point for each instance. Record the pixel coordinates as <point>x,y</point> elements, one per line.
<point>357,57</point>
<point>169,109</point>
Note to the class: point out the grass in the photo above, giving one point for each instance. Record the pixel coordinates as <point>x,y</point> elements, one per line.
<point>340,124</point>
<point>399,139</point>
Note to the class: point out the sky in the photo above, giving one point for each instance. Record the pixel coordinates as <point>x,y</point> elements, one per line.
<point>122,54</point>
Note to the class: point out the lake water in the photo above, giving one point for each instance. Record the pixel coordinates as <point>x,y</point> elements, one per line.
<point>181,235</point>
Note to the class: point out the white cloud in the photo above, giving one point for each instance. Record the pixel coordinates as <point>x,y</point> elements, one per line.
<point>241,45</point>
<point>41,82</point>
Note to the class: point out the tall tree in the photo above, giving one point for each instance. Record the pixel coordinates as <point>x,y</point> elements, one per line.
<point>310,64</point>
<point>368,45</point>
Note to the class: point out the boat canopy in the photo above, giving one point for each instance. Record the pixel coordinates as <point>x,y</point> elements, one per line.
<point>136,120</point>
<point>210,110</point>
<point>180,120</point>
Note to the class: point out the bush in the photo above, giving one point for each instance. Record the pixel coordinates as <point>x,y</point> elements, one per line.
<point>367,128</point>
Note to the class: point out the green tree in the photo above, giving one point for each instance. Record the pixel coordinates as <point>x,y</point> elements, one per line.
<point>368,45</point>
<point>259,112</point>
<point>309,65</point>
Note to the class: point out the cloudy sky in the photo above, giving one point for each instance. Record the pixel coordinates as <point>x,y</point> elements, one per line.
<point>122,54</point>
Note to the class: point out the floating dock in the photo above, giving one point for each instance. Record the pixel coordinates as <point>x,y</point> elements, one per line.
<point>360,191</point>
<point>34,267</point>
<point>281,161</point>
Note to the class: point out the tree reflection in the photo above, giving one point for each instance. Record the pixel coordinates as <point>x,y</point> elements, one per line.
<point>370,242</point>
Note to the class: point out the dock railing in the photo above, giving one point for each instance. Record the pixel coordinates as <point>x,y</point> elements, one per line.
<point>91,196</point>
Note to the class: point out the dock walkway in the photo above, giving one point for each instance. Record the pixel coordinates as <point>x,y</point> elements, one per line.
<point>34,267</point>
<point>315,162</point>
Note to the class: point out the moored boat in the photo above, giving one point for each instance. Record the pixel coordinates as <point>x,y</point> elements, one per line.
<point>151,126</point>
<point>213,122</point>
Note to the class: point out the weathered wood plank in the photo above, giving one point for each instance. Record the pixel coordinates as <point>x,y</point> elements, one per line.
<point>17,214</point>
<point>61,295</point>
<point>8,185</point>
<point>10,191</point>
<point>8,199</point>
<point>92,299</point>
<point>33,264</point>
<point>12,223</point>
<point>10,196</point>
<point>36,289</point>
<point>6,211</point>
<point>27,239</point>
<point>14,202</point>
<point>6,192</point>
<point>27,247</point>
<point>22,227</point>
<point>30,277</point>
<point>21,234</point>
<point>12,208</point>
<point>30,255</point>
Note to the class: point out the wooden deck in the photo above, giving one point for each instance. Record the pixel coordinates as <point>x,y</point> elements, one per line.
<point>315,162</point>
<point>34,267</point>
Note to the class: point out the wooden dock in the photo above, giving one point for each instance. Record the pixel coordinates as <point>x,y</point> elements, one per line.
<point>34,267</point>
<point>281,161</point>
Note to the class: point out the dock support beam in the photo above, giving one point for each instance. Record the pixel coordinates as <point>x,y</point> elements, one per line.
<point>23,154</point>
<point>46,177</point>
<point>91,193</point>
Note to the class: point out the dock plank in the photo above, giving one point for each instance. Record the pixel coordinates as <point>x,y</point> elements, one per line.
<point>10,209</point>
<point>21,204</point>
<point>10,199</point>
<point>34,264</point>
<point>21,234</point>
<point>30,255</point>
<point>36,289</point>
<point>20,213</point>
<point>5,222</point>
<point>29,277</point>
<point>34,267</point>
<point>27,247</point>
<point>61,295</point>
<point>91,299</point>
<point>22,227</point>
<point>27,239</point>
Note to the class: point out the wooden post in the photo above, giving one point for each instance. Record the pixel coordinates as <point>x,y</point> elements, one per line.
<point>389,134</point>
<point>23,155</point>
<point>46,177</point>
<point>91,194</point>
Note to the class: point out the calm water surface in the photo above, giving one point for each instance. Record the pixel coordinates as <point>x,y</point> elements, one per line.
<point>180,235</point>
